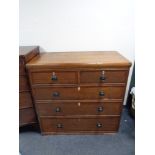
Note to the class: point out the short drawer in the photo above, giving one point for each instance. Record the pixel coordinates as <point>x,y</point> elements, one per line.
<point>105,76</point>
<point>79,124</point>
<point>106,92</point>
<point>55,93</point>
<point>78,108</point>
<point>25,100</point>
<point>54,77</point>
<point>26,116</point>
<point>23,83</point>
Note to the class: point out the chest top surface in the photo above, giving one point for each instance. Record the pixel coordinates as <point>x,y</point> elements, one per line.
<point>79,59</point>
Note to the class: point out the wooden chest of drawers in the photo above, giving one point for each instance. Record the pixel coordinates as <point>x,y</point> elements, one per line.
<point>78,92</point>
<point>26,111</point>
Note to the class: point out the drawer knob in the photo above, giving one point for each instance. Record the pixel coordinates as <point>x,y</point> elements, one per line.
<point>56,94</point>
<point>59,125</point>
<point>54,78</point>
<point>100,109</point>
<point>99,125</point>
<point>101,93</point>
<point>57,109</point>
<point>102,78</point>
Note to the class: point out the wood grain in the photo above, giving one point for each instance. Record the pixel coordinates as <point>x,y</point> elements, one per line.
<point>79,59</point>
<point>72,93</point>
<point>75,124</point>
<point>79,99</point>
<point>78,108</point>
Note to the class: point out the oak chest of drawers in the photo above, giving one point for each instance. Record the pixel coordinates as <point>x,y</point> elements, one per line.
<point>27,114</point>
<point>78,92</point>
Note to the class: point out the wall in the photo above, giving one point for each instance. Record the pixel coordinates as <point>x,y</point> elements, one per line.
<point>78,25</point>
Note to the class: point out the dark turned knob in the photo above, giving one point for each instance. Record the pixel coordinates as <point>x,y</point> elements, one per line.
<point>100,109</point>
<point>99,125</point>
<point>56,94</point>
<point>101,93</point>
<point>59,125</point>
<point>57,109</point>
<point>54,78</point>
<point>102,78</point>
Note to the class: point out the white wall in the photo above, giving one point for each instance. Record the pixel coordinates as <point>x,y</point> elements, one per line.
<point>78,25</point>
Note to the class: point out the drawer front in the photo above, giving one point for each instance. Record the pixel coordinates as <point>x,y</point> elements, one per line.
<point>77,108</point>
<point>79,124</point>
<point>108,76</point>
<point>23,83</point>
<point>25,100</point>
<point>55,93</point>
<point>107,92</point>
<point>54,77</point>
<point>26,116</point>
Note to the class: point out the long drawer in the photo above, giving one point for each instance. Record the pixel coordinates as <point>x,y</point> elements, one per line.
<point>71,93</point>
<point>78,108</point>
<point>60,125</point>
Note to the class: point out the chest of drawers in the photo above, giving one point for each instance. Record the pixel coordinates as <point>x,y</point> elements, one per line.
<point>27,114</point>
<point>78,92</point>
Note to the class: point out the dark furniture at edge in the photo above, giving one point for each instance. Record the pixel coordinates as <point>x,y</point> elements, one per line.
<point>27,115</point>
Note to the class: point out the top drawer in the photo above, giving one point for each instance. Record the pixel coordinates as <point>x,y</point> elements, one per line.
<point>107,76</point>
<point>54,77</point>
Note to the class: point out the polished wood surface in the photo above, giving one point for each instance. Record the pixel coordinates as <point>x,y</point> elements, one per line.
<point>27,114</point>
<point>75,91</point>
<point>79,59</point>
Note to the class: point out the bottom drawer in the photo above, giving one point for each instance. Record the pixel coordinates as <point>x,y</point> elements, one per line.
<point>79,125</point>
<point>26,116</point>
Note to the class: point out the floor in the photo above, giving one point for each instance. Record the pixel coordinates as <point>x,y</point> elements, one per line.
<point>122,143</point>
